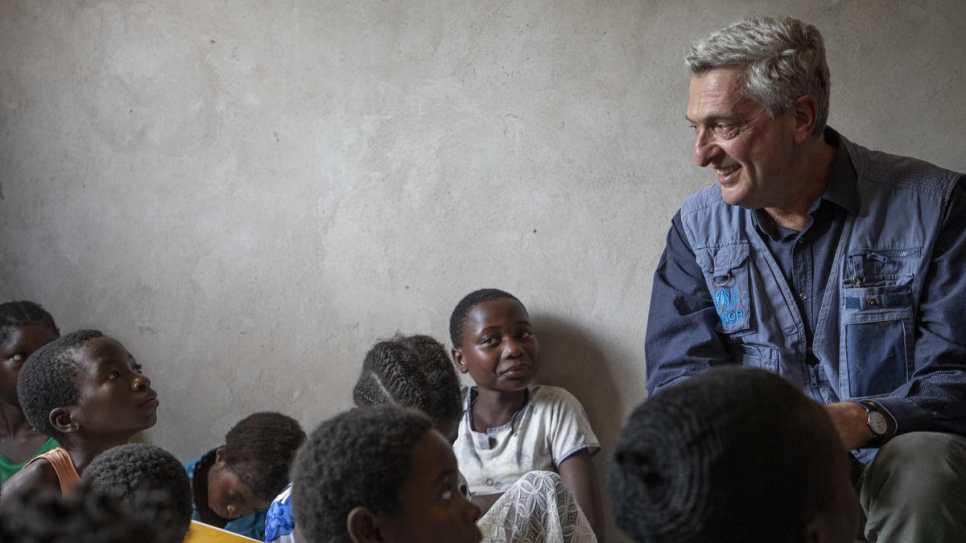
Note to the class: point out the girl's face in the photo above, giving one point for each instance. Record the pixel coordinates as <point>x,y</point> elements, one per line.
<point>500,350</point>
<point>228,496</point>
<point>113,397</point>
<point>20,343</point>
<point>432,506</point>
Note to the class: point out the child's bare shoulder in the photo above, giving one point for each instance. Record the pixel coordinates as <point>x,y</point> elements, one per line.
<point>38,474</point>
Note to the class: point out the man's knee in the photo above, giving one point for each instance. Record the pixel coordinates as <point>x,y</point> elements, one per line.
<point>918,465</point>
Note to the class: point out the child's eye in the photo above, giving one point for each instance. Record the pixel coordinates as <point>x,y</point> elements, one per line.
<point>487,340</point>
<point>526,334</point>
<point>447,494</point>
<point>138,368</point>
<point>114,375</point>
<point>19,357</point>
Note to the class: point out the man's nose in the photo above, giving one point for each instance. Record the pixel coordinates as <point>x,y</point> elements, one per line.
<point>705,148</point>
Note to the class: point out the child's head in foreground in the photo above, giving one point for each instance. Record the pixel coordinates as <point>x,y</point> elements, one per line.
<point>86,386</point>
<point>25,327</point>
<point>253,465</point>
<point>139,474</point>
<point>380,474</point>
<point>416,372</point>
<point>84,516</point>
<point>733,454</point>
<point>493,340</point>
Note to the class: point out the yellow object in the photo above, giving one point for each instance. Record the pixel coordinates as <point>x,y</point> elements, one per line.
<point>200,532</point>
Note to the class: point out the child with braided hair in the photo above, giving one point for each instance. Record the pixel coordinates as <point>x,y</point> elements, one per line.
<point>24,328</point>
<point>408,371</point>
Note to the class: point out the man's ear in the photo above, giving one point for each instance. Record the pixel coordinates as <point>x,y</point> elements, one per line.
<point>220,453</point>
<point>363,526</point>
<point>62,419</point>
<point>458,359</point>
<point>805,112</point>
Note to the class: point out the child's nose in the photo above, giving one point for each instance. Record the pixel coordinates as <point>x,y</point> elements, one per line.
<point>471,512</point>
<point>141,381</point>
<point>512,348</point>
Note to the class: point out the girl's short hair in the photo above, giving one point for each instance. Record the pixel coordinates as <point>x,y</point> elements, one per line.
<point>260,449</point>
<point>24,313</point>
<point>358,458</point>
<point>457,321</point>
<point>47,380</point>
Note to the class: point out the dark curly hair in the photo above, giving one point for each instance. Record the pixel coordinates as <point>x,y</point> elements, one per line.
<point>84,516</point>
<point>260,450</point>
<point>457,321</point>
<point>358,458</point>
<point>134,472</point>
<point>412,371</point>
<point>47,380</point>
<point>24,313</point>
<point>734,454</point>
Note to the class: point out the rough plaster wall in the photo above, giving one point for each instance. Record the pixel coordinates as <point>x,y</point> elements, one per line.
<point>248,194</point>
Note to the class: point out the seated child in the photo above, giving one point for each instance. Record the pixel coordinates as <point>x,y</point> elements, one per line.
<point>24,328</point>
<point>149,481</point>
<point>84,516</point>
<point>380,474</point>
<point>511,427</point>
<point>412,371</point>
<point>233,485</point>
<point>732,454</point>
<point>86,391</point>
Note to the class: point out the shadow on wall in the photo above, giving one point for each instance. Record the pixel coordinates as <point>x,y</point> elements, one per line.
<point>571,358</point>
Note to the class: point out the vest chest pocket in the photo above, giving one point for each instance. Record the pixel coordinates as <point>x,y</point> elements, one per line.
<point>878,319</point>
<point>727,275</point>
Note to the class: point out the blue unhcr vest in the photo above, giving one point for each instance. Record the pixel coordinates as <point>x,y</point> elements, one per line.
<point>865,336</point>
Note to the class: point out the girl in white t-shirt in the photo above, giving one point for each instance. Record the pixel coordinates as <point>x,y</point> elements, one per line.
<point>510,427</point>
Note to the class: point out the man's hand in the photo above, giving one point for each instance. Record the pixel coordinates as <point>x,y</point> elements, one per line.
<point>850,422</point>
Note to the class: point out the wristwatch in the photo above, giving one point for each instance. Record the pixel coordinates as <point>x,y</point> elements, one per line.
<point>877,424</point>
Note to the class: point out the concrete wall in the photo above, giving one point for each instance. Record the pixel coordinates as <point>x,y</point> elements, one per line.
<point>248,194</point>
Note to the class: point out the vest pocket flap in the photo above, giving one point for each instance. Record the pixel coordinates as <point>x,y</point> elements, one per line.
<point>722,259</point>
<point>876,267</point>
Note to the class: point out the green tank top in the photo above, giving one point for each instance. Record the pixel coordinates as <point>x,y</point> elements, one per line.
<point>8,468</point>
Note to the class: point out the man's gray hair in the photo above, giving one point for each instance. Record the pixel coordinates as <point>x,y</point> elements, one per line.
<point>783,59</point>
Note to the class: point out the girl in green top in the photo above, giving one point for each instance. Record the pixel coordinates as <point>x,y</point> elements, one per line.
<point>24,328</point>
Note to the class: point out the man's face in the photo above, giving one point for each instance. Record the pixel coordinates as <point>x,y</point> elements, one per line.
<point>750,152</point>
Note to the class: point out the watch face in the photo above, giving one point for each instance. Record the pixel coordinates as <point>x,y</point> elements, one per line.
<point>878,423</point>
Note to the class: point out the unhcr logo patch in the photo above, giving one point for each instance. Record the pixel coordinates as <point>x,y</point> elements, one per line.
<point>726,302</point>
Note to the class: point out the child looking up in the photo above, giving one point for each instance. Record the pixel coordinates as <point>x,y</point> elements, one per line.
<point>509,426</point>
<point>380,474</point>
<point>233,485</point>
<point>86,391</point>
<point>24,328</point>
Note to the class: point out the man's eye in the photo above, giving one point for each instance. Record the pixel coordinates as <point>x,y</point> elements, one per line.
<point>725,130</point>
<point>526,334</point>
<point>19,357</point>
<point>114,375</point>
<point>139,368</point>
<point>447,494</point>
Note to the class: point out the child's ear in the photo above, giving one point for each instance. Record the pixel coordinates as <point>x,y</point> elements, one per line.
<point>458,359</point>
<point>62,419</point>
<point>363,526</point>
<point>220,453</point>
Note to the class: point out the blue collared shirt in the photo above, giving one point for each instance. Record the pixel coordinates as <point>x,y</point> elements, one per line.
<point>681,323</point>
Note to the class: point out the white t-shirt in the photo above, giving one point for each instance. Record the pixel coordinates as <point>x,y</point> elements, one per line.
<point>549,428</point>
